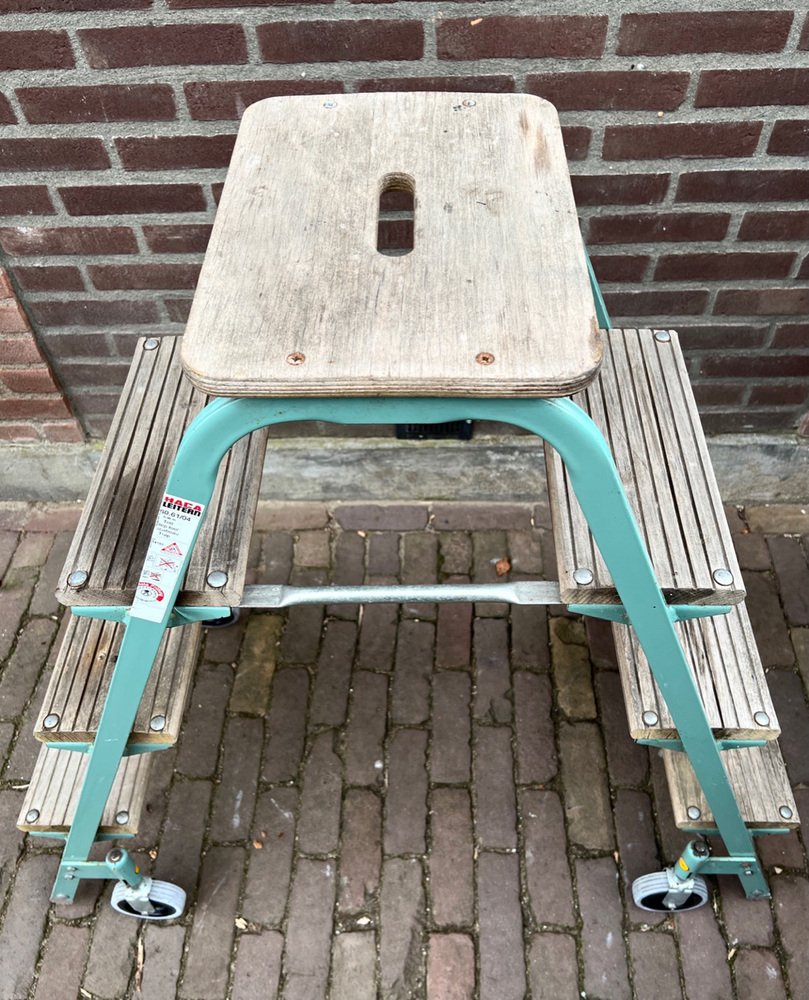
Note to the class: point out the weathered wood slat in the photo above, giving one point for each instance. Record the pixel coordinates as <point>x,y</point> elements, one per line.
<point>53,792</point>
<point>723,655</point>
<point>78,687</point>
<point>110,543</point>
<point>643,404</point>
<point>295,299</point>
<point>759,781</point>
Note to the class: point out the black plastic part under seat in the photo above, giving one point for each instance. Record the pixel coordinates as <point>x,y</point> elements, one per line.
<point>455,430</point>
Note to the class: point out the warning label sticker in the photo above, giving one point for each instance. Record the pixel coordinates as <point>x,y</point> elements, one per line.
<point>175,529</point>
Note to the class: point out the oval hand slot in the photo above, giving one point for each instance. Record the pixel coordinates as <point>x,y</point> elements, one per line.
<point>396,217</point>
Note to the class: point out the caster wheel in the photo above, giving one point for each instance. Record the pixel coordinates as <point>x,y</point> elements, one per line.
<point>223,622</point>
<point>165,900</point>
<point>650,891</point>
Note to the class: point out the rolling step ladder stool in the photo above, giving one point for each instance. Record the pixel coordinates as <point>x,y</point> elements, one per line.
<point>489,312</point>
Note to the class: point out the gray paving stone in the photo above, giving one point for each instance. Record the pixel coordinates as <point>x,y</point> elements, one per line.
<point>257,662</point>
<point>547,872</point>
<point>492,678</point>
<point>6,736</point>
<point>276,557</point>
<point>537,761</point>
<point>758,975</point>
<point>419,565</point>
<point>360,851</point>
<point>286,725</point>
<point>552,967</point>
<point>600,644</point>
<point>319,824</point>
<point>410,698</point>
<point>791,904</point>
<point>365,731</point>
<point>752,552</point>
<point>406,799</point>
<point>383,553</point>
<point>181,842</point>
<point>495,805</point>
<point>235,795</point>
<point>746,922</point>
<point>451,858</point>
<point>529,637</point>
<point>19,676</point>
<point>703,955</point>
<point>450,750</point>
<point>23,924</point>
<point>490,550</point>
<point>8,543</point>
<point>111,963</point>
<point>163,955</point>
<point>634,828</point>
<point>308,937</point>
<point>332,678</point>
<point>312,548</point>
<point>766,616</point>
<point>455,548</point>
<point>792,710</point>
<point>402,937</point>
<point>62,963</point>
<point>502,964</point>
<point>205,716</point>
<point>655,966</point>
<point>525,549</point>
<point>792,571</point>
<point>451,967</point>
<point>43,601</point>
<point>258,966</point>
<point>301,639</point>
<point>453,637</point>
<point>571,669</point>
<point>377,640</point>
<point>628,760</point>
<point>11,843</point>
<point>603,950</point>
<point>586,797</point>
<point>349,570</point>
<point>382,516</point>
<point>222,645</point>
<point>280,514</point>
<point>269,867</point>
<point>354,967</point>
<point>480,516</point>
<point>18,585</point>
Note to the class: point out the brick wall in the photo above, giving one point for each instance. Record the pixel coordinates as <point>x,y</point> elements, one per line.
<point>686,130</point>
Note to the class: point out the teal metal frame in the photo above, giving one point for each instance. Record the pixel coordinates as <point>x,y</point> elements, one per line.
<point>598,487</point>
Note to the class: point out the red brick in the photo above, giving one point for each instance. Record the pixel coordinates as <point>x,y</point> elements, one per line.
<point>178,309</point>
<point>521,37</point>
<point>576,139</point>
<point>39,49</point>
<point>7,116</point>
<point>107,277</point>
<point>95,375</point>
<point>660,226</point>
<point>789,138</point>
<point>744,185</point>
<point>756,366</point>
<point>459,84</point>
<point>708,337</point>
<point>28,380</point>
<point>18,408</point>
<point>733,88</point>
<point>93,312</point>
<point>53,154</point>
<point>631,189</point>
<point>171,152</point>
<point>135,102</point>
<point>185,4</point>
<point>803,272</point>
<point>219,100</point>
<point>692,31</point>
<point>617,90</point>
<point>216,190</point>
<point>19,349</point>
<point>25,199</point>
<point>715,266</point>
<point>780,394</point>
<point>25,241</point>
<point>164,45</point>
<point>775,226</point>
<point>63,431</point>
<point>792,335</point>
<point>177,239</point>
<point>340,41</point>
<point>649,142</point>
<point>50,279</point>
<point>620,267</point>
<point>803,42</point>
<point>18,433</point>
<point>763,302</point>
<point>12,318</point>
<point>685,302</point>
<point>42,6</point>
<point>129,198</point>
<point>717,394</point>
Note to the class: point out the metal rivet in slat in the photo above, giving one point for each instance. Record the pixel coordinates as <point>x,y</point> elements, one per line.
<point>32,816</point>
<point>650,718</point>
<point>78,579</point>
<point>330,104</point>
<point>662,336</point>
<point>151,344</point>
<point>722,576</point>
<point>216,579</point>
<point>122,817</point>
<point>693,812</point>
<point>761,719</point>
<point>157,723</point>
<point>785,812</point>
<point>51,721</point>
<point>583,576</point>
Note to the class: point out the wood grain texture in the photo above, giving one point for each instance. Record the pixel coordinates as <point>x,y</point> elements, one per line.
<point>80,680</point>
<point>497,266</point>
<point>156,405</point>
<point>54,791</point>
<point>724,659</point>
<point>759,780</point>
<point>643,404</point>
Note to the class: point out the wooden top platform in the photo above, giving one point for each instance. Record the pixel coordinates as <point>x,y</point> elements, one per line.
<point>295,299</point>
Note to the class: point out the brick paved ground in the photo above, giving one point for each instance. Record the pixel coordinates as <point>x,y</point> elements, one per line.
<point>403,802</point>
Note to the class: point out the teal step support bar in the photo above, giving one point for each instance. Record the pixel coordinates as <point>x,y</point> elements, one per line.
<point>598,487</point>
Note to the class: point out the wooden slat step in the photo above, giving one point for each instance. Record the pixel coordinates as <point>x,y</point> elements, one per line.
<point>723,655</point>
<point>758,777</point>
<point>156,405</point>
<point>56,784</point>
<point>80,681</point>
<point>643,403</point>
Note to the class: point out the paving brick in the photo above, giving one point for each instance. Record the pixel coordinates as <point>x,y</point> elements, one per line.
<point>451,858</point>
<point>312,549</point>
<point>276,555</point>
<point>112,955</point>
<point>402,937</point>
<point>529,637</point>
<point>377,639</point>
<point>154,806</point>
<point>222,645</point>
<point>450,750</point>
<point>301,639</point>
<point>671,839</point>
<point>791,709</point>
<point>349,570</point>
<point>502,965</point>
<point>637,851</point>
<point>354,967</point>
<point>547,872</point>
<point>18,679</point>
<point>492,680</point>
<point>8,544</point>
<point>455,548</point>
<point>381,517</point>
<point>18,586</point>
<point>6,736</point>
<point>758,976</point>
<point>286,725</point>
<point>383,553</point>
<point>451,967</point>
<point>366,728</point>
<point>703,954</point>
<point>360,851</point>
<point>419,566</point>
<point>586,795</point>
<point>181,842</point>
<point>308,938</point>
<point>800,642</point>
<point>235,796</point>
<point>628,761</point>
<point>480,517</point>
<point>782,850</point>
<point>790,905</point>
<point>406,798</point>
<point>319,824</point>
<point>269,868</point>
<point>781,519</point>
<point>489,549</point>
<point>257,662</point>
<point>769,627</point>
<point>23,924</point>
<point>279,515</point>
<point>495,805</point>
<point>410,701</point>
<point>792,571</point>
<point>258,966</point>
<point>211,937</point>
<point>655,966</point>
<point>453,636</point>
<point>163,954</point>
<point>553,968</point>
<point>571,668</point>
<point>330,695</point>
<point>603,951</point>
<point>745,922</point>
<point>752,552</point>
<point>62,963</point>
<point>199,746</point>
